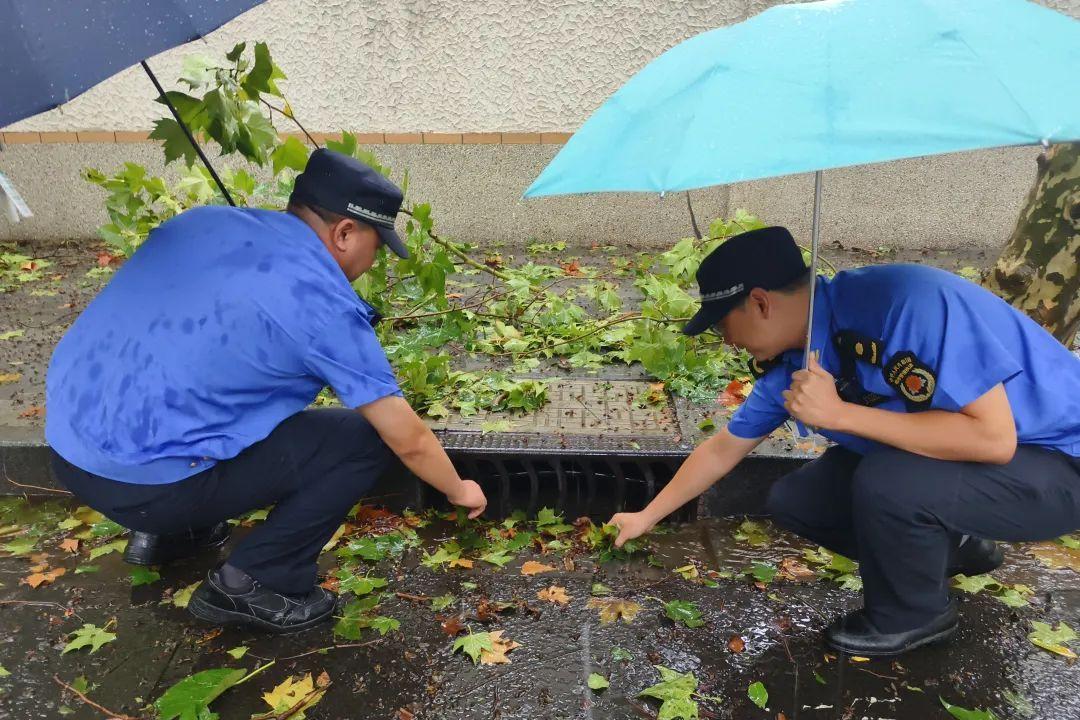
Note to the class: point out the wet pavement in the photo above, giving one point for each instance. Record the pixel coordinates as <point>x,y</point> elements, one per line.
<point>989,663</point>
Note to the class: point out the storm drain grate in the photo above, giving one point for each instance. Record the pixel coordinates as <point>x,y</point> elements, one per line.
<point>596,486</point>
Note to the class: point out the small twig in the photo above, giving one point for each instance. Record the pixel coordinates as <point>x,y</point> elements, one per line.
<point>65,316</point>
<point>883,677</point>
<point>820,257</point>
<point>254,672</point>
<point>693,218</point>
<point>35,487</point>
<point>112,715</point>
<point>303,701</point>
<point>292,117</point>
<point>41,603</point>
<point>661,581</point>
<point>414,598</point>
<point>457,308</point>
<point>633,316</point>
<point>332,647</point>
<point>461,253</point>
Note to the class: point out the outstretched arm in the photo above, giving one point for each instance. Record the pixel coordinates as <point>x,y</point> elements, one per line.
<point>411,440</point>
<point>709,462</point>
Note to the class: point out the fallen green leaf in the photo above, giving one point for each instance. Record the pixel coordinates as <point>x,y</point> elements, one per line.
<point>88,635</point>
<point>758,695</point>
<point>143,576</point>
<point>237,652</point>
<point>107,548</point>
<point>22,546</point>
<point>675,691</point>
<point>597,681</point>
<point>1053,639</point>
<point>964,714</point>
<point>442,602</point>
<point>190,698</point>
<point>685,612</point>
<point>472,644</point>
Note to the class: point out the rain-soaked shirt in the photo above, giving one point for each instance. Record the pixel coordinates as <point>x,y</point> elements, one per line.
<point>223,324</point>
<point>908,338</point>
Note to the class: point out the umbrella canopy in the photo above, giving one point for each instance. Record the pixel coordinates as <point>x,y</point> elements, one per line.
<point>54,50</point>
<point>829,84</point>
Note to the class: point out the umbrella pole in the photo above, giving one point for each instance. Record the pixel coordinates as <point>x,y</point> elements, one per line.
<point>814,227</point>
<point>190,137</point>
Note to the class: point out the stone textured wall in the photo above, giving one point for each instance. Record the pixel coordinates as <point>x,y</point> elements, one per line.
<point>429,65</point>
<point>514,66</point>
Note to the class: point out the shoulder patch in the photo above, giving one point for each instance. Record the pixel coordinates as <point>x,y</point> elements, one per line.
<point>912,379</point>
<point>758,369</point>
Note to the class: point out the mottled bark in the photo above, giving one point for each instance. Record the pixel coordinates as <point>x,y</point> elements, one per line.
<point>1038,271</point>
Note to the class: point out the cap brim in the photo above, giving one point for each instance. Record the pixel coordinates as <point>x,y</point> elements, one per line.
<point>392,240</point>
<point>709,314</point>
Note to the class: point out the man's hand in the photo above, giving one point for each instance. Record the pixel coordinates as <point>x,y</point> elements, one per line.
<point>812,398</point>
<point>631,525</point>
<point>469,495</point>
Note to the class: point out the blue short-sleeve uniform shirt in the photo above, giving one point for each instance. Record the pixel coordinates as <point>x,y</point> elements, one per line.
<point>223,324</point>
<point>927,338</point>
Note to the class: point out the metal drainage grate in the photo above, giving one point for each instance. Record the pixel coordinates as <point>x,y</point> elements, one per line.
<point>596,486</point>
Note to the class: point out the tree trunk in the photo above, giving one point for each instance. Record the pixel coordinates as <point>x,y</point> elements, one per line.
<point>1038,271</point>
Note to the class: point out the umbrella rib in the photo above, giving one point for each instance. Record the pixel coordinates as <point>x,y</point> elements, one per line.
<point>997,78</point>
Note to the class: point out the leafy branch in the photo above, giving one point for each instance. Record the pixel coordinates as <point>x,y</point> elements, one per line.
<point>531,311</point>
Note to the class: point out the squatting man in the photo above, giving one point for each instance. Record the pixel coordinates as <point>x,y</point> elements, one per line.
<point>955,418</point>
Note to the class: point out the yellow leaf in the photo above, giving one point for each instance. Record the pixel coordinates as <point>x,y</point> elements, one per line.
<point>531,567</point>
<point>1055,648</point>
<point>293,697</point>
<point>335,537</point>
<point>461,562</point>
<point>37,579</point>
<point>859,658</point>
<point>1055,555</point>
<point>500,647</point>
<point>6,378</point>
<point>611,609</point>
<point>182,597</point>
<point>553,594</point>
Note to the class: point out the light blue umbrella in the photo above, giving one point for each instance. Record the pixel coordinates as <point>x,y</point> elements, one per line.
<point>819,85</point>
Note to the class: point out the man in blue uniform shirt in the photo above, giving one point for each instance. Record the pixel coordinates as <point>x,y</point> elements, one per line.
<point>178,398</point>
<point>955,418</point>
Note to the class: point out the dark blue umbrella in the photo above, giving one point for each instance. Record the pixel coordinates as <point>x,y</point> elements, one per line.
<point>54,50</point>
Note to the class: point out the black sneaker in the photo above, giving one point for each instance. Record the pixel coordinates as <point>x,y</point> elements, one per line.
<point>145,548</point>
<point>976,557</point>
<point>259,606</point>
<point>856,635</point>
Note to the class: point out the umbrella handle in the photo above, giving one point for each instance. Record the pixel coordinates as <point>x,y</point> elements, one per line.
<point>814,241</point>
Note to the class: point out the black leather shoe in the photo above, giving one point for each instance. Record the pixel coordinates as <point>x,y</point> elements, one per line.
<point>145,548</point>
<point>856,635</point>
<point>976,557</point>
<point>259,606</point>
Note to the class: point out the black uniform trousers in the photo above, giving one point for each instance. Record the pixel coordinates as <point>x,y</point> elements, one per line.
<point>902,515</point>
<point>313,468</point>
